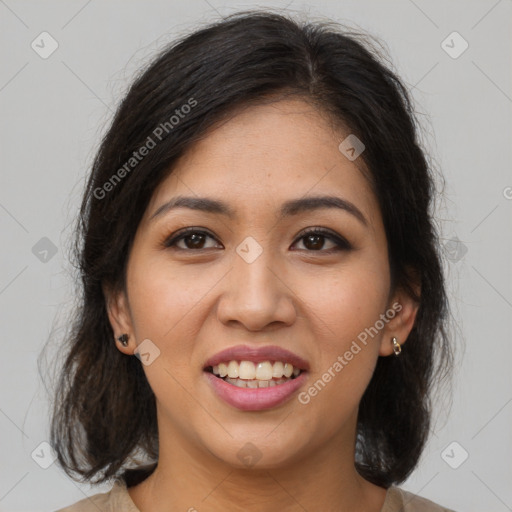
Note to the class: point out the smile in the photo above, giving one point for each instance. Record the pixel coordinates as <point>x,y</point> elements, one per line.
<point>248,374</point>
<point>254,378</point>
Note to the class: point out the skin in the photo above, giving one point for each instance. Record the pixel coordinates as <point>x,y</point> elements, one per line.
<point>192,303</point>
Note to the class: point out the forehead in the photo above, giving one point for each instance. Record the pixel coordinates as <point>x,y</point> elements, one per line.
<point>265,155</point>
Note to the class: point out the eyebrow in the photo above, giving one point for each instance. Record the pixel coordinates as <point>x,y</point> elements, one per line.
<point>288,208</point>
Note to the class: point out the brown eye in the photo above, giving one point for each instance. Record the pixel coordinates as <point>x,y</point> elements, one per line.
<point>314,240</point>
<point>193,239</point>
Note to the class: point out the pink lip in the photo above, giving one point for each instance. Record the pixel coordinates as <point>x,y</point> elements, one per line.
<point>270,353</point>
<point>255,399</point>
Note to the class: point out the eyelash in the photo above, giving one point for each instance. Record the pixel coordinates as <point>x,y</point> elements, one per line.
<point>341,243</point>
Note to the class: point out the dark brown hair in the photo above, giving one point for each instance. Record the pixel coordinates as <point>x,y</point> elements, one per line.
<point>104,411</point>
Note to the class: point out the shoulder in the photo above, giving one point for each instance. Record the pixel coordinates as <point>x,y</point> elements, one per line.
<point>398,500</point>
<point>115,500</point>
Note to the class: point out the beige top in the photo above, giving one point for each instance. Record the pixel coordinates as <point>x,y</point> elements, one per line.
<point>118,500</point>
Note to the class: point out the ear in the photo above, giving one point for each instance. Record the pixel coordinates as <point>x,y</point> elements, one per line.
<point>401,312</point>
<point>119,315</point>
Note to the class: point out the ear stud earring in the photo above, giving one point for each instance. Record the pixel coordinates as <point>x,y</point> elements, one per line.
<point>123,339</point>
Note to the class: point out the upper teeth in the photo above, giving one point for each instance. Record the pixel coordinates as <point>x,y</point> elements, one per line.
<point>264,370</point>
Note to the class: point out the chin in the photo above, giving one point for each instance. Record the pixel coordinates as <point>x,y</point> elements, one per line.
<point>249,450</point>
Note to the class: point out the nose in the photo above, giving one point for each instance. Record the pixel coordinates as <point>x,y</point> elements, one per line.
<point>256,294</point>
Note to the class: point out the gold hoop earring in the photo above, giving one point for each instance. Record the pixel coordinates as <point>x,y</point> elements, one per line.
<point>396,346</point>
<point>123,339</point>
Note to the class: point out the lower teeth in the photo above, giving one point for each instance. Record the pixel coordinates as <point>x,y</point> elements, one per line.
<point>255,383</point>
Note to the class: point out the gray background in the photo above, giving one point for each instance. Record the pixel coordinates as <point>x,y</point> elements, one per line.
<point>54,110</point>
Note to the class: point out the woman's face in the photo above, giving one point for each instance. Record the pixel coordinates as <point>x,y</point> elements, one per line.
<point>255,278</point>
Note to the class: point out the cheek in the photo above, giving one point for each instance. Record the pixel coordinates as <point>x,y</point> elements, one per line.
<point>163,297</point>
<point>344,310</point>
<point>164,303</point>
<point>344,302</point>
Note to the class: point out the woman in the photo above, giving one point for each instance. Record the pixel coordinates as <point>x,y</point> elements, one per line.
<point>263,312</point>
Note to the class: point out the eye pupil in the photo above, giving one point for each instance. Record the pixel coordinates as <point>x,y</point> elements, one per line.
<point>197,240</point>
<point>317,243</point>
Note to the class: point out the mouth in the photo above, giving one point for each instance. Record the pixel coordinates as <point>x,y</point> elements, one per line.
<point>250,374</point>
<point>255,378</point>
